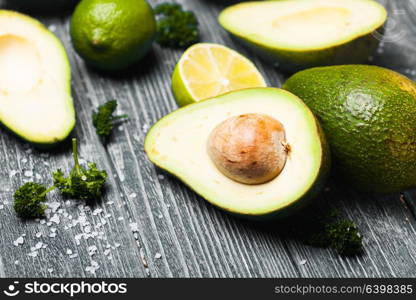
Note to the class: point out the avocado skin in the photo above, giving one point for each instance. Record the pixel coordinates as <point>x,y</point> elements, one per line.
<point>307,199</point>
<point>356,51</point>
<point>368,114</point>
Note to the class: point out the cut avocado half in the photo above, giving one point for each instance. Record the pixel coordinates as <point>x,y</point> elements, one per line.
<point>257,153</point>
<point>297,34</point>
<point>35,81</point>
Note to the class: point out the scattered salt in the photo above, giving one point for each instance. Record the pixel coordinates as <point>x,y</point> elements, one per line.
<point>55,219</point>
<point>18,241</point>
<point>33,254</point>
<point>145,128</point>
<point>134,227</point>
<point>97,211</point>
<point>92,250</point>
<point>13,173</point>
<point>94,266</point>
<point>158,255</point>
<point>38,245</point>
<point>54,206</point>
<point>28,173</point>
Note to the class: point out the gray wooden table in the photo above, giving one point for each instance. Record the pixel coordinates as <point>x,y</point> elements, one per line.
<point>149,224</point>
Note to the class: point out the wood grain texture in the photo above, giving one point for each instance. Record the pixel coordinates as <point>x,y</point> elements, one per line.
<point>155,226</point>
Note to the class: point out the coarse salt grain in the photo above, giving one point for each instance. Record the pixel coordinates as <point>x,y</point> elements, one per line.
<point>18,241</point>
<point>134,227</point>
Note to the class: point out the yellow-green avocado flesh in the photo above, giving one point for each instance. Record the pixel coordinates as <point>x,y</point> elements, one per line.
<point>35,81</point>
<point>178,144</point>
<point>299,34</point>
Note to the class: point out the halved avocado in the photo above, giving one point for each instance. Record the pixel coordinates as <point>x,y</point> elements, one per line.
<point>258,153</point>
<point>35,81</point>
<point>298,34</point>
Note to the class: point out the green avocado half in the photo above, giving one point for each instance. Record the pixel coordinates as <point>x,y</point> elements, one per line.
<point>369,116</point>
<point>35,81</point>
<point>299,34</point>
<point>179,144</point>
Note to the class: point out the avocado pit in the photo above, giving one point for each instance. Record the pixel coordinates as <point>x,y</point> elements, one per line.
<point>249,148</point>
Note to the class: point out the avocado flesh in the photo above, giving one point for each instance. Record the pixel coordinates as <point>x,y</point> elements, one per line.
<point>35,91</point>
<point>46,5</point>
<point>299,34</point>
<point>369,116</point>
<point>178,144</point>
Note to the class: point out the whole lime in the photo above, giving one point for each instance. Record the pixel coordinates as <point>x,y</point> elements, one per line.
<point>112,34</point>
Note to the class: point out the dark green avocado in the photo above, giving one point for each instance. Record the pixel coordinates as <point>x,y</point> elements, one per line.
<point>369,116</point>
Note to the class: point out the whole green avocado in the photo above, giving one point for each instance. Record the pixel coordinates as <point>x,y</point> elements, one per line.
<point>369,116</point>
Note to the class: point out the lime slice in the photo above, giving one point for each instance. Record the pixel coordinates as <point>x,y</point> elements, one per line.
<point>208,70</point>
